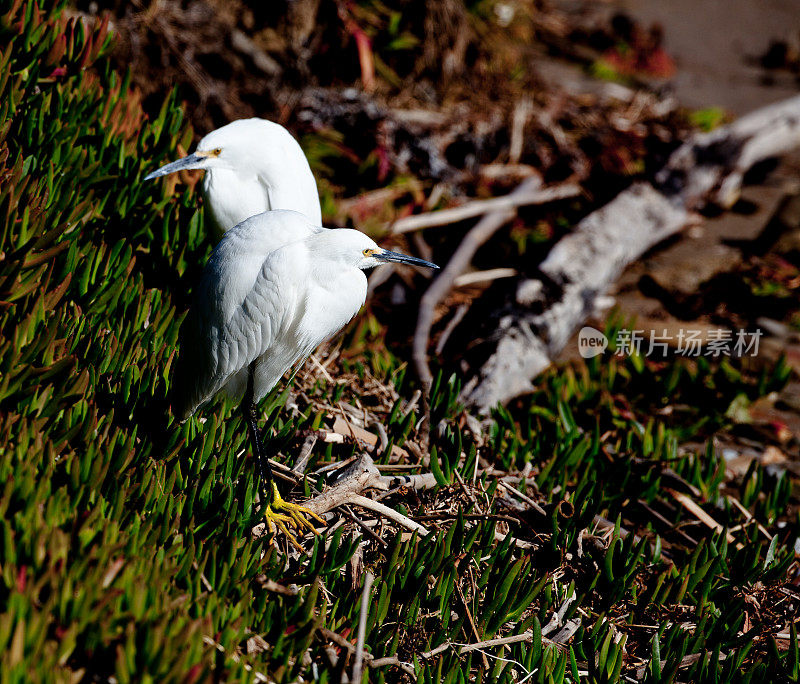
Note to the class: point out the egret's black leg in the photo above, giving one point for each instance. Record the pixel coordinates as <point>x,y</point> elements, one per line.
<point>263,468</point>
<point>272,502</point>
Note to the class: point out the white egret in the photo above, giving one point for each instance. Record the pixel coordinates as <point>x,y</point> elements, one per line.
<point>252,166</point>
<point>259,310</point>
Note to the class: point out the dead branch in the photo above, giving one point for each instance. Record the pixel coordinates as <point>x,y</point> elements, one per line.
<point>458,316</point>
<point>358,477</point>
<point>423,481</point>
<point>584,264</point>
<point>243,43</point>
<point>524,497</point>
<point>694,508</point>
<point>343,428</point>
<point>557,619</point>
<point>386,512</point>
<point>305,455</point>
<point>500,641</point>
<point>531,193</point>
<point>488,276</point>
<point>371,661</point>
<point>461,258</point>
<point>257,676</point>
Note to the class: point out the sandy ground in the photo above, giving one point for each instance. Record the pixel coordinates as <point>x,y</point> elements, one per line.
<point>717,43</point>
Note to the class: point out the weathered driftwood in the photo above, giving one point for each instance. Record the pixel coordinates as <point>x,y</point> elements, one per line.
<point>584,264</point>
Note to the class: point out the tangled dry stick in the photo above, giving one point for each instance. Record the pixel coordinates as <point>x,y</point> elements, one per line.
<point>359,477</point>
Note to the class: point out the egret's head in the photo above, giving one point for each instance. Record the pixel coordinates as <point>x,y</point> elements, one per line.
<point>361,251</point>
<point>238,146</point>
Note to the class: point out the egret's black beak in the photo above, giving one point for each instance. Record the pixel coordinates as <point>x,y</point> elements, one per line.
<point>193,161</point>
<point>386,255</point>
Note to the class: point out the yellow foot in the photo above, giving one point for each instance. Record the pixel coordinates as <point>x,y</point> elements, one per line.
<point>291,515</point>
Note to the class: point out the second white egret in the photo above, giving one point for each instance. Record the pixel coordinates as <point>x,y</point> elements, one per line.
<point>260,310</point>
<point>252,166</point>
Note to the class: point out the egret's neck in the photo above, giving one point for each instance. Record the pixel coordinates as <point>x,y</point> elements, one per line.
<point>232,197</point>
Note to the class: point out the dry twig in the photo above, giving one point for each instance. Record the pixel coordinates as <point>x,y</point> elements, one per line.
<point>362,626</point>
<point>700,514</point>
<point>528,192</point>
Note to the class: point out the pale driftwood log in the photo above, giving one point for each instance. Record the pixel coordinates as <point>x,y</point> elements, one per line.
<point>712,165</point>
<point>584,264</point>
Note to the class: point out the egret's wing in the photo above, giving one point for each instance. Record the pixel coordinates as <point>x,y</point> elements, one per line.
<point>240,306</point>
<point>217,346</point>
<point>236,261</point>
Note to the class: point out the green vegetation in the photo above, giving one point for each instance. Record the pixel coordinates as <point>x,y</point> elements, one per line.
<point>126,541</point>
<point>707,119</point>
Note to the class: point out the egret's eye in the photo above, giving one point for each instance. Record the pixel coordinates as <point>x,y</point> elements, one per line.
<point>367,252</point>
<point>216,151</point>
